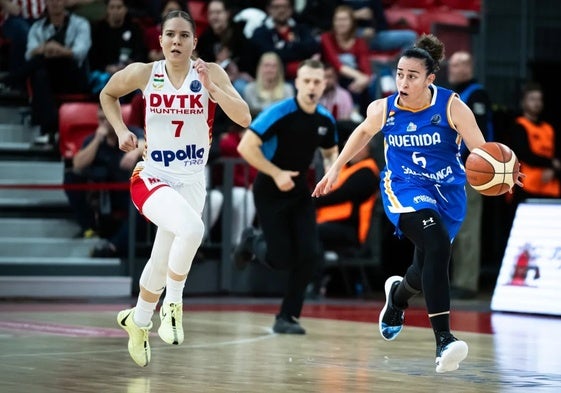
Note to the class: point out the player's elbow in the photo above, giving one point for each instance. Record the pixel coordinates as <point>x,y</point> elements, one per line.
<point>245,120</point>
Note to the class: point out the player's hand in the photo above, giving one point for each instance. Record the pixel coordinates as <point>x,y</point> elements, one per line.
<point>519,179</point>
<point>202,69</point>
<point>127,141</point>
<point>326,183</point>
<point>284,181</point>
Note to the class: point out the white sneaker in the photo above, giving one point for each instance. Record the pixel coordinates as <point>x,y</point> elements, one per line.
<point>171,326</point>
<point>449,353</point>
<point>139,347</point>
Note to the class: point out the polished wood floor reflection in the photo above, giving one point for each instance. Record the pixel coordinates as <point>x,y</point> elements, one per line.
<point>229,347</point>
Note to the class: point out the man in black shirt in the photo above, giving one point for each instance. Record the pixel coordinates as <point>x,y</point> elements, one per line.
<point>281,143</point>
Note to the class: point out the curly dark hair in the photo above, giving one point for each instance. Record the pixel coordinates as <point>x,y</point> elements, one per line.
<point>429,48</point>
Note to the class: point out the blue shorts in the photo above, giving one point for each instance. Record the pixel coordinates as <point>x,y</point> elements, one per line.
<point>448,200</point>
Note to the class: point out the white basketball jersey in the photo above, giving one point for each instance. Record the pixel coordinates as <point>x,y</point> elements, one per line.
<point>178,124</point>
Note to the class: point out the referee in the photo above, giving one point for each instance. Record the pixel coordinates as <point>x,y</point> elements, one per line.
<point>280,143</point>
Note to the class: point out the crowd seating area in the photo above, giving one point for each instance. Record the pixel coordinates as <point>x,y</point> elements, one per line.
<point>78,113</point>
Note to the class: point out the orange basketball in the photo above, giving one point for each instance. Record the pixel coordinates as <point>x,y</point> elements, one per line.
<point>492,169</point>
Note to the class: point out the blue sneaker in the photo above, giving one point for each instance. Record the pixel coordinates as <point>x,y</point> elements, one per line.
<point>391,318</point>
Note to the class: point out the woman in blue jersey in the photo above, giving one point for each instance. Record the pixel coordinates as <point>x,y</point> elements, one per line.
<point>422,187</point>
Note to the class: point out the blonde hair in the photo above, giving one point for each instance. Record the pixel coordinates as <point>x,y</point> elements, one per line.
<point>277,92</point>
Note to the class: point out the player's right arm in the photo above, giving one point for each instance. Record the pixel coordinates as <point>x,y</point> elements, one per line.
<point>362,134</point>
<point>132,77</point>
<point>465,123</point>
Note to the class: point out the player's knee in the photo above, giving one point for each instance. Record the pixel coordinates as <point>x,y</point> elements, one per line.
<point>191,232</point>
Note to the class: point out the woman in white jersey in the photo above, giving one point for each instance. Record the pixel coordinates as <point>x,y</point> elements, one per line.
<point>168,186</point>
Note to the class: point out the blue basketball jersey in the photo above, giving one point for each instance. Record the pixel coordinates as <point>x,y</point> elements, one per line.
<point>423,164</point>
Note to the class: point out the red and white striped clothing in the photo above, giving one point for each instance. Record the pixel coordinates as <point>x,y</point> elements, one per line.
<point>30,9</point>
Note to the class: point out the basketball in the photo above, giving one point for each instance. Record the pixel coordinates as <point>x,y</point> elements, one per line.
<point>492,169</point>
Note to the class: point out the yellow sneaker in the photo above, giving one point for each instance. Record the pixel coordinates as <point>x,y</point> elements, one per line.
<point>171,327</point>
<point>139,347</point>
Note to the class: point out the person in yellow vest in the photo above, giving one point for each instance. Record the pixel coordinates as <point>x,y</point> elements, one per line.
<point>345,214</point>
<point>533,140</point>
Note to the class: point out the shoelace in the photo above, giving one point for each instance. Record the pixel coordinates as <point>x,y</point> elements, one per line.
<point>175,310</point>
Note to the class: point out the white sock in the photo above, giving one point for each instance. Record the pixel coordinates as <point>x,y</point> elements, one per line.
<point>174,291</point>
<point>143,312</point>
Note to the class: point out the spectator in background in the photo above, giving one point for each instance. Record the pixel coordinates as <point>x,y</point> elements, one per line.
<point>92,10</point>
<point>534,141</point>
<point>18,16</point>
<point>224,42</point>
<point>466,250</point>
<point>373,26</point>
<point>57,48</point>
<point>317,14</point>
<point>269,85</point>
<point>344,215</point>
<point>280,33</point>
<point>335,98</point>
<point>101,161</point>
<point>339,102</point>
<point>348,54</point>
<point>152,33</point>
<point>117,41</point>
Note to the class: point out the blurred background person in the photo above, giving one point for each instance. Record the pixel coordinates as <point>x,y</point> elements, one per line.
<point>280,33</point>
<point>466,250</point>
<point>117,41</point>
<point>224,42</point>
<point>269,85</point>
<point>349,55</point>
<point>534,141</point>
<point>56,54</point>
<point>373,26</point>
<point>345,214</point>
<point>18,17</point>
<point>99,160</point>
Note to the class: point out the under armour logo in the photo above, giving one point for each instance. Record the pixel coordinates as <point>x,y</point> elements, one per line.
<point>429,222</point>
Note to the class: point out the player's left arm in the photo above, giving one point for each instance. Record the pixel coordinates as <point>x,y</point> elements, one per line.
<point>218,84</point>
<point>464,121</point>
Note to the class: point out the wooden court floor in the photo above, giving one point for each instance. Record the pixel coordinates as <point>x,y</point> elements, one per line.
<point>229,347</point>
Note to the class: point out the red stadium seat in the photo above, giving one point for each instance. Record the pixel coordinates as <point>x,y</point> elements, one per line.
<point>76,121</point>
<point>415,3</point>
<point>402,18</point>
<point>467,5</point>
<point>441,16</point>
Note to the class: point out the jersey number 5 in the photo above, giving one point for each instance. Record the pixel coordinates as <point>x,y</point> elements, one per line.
<point>419,160</point>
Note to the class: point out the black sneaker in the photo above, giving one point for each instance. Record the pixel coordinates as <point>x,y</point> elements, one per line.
<point>243,253</point>
<point>449,352</point>
<point>391,318</point>
<point>285,325</point>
